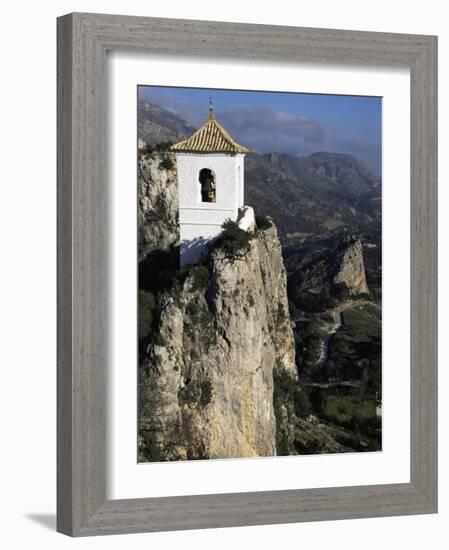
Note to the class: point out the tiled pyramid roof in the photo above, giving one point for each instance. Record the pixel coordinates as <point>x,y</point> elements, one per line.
<point>211,137</point>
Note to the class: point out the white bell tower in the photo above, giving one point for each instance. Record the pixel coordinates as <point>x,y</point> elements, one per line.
<point>210,186</point>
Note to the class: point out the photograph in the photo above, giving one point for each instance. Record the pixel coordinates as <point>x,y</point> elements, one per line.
<point>260,273</point>
<point>232,278</point>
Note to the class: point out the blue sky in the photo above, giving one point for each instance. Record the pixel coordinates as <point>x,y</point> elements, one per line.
<point>293,123</point>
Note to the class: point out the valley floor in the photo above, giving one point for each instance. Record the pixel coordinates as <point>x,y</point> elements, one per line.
<point>342,380</point>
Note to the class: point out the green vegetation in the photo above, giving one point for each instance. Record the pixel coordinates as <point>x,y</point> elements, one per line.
<point>263,222</point>
<point>341,409</point>
<point>281,316</point>
<point>363,320</point>
<point>166,163</point>
<point>234,241</point>
<point>307,344</point>
<point>303,407</point>
<point>308,301</point>
<point>345,391</point>
<point>357,348</point>
<point>159,340</point>
<point>289,400</point>
<point>340,292</point>
<point>358,417</point>
<point>159,442</point>
<point>159,280</point>
<point>151,148</point>
<point>206,392</point>
<point>197,392</point>
<point>199,324</point>
<point>283,403</point>
<point>161,213</point>
<point>200,277</point>
<point>346,407</point>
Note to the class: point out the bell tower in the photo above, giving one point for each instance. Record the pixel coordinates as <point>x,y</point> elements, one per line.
<point>210,185</point>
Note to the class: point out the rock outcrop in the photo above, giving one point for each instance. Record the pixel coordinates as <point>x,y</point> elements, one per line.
<point>350,269</point>
<point>342,266</point>
<point>158,202</point>
<point>206,387</point>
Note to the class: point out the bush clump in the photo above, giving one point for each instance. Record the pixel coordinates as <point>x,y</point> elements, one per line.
<point>159,340</point>
<point>166,163</point>
<point>151,148</point>
<point>234,241</point>
<point>281,316</point>
<point>284,388</point>
<point>163,146</point>
<point>197,393</point>
<point>303,407</point>
<point>206,392</point>
<point>308,301</point>
<point>200,277</point>
<point>263,222</point>
<point>341,292</point>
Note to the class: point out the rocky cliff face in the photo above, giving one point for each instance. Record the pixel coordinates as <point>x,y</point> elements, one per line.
<point>158,202</point>
<point>350,269</point>
<point>206,387</point>
<point>343,265</point>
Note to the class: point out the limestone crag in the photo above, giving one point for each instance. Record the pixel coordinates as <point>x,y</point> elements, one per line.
<point>158,202</point>
<point>350,269</point>
<point>206,389</point>
<point>343,265</point>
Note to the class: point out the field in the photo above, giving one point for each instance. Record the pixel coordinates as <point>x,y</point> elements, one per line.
<point>341,409</point>
<point>345,392</point>
<point>361,323</point>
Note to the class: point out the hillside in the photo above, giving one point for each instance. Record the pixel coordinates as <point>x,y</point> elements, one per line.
<point>315,196</point>
<point>157,125</point>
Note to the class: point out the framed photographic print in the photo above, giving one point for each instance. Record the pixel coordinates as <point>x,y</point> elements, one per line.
<point>246,274</point>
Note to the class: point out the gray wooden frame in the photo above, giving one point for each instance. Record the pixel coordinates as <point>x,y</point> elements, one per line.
<point>83,40</point>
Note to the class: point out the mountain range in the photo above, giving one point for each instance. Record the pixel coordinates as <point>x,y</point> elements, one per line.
<point>158,125</point>
<point>315,200</point>
<point>276,306</point>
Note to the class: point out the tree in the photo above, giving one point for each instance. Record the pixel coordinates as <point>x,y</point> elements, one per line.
<point>303,407</point>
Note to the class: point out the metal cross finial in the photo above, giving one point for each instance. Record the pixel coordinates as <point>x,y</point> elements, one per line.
<point>211,109</point>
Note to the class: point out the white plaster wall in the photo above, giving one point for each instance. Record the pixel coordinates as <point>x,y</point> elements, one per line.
<point>195,240</point>
<point>240,159</point>
<point>201,221</point>
<point>247,220</point>
<point>224,168</point>
<point>203,216</point>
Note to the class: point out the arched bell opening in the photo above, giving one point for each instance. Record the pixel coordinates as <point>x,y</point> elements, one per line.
<point>208,185</point>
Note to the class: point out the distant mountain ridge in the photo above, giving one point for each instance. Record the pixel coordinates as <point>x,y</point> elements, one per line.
<point>314,196</point>
<point>315,200</point>
<point>228,348</point>
<point>158,125</point>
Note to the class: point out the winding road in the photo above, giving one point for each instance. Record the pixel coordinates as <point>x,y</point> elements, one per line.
<point>337,318</point>
<point>324,346</point>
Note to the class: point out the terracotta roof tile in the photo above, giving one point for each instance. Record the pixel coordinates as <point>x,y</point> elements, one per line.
<point>211,137</point>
